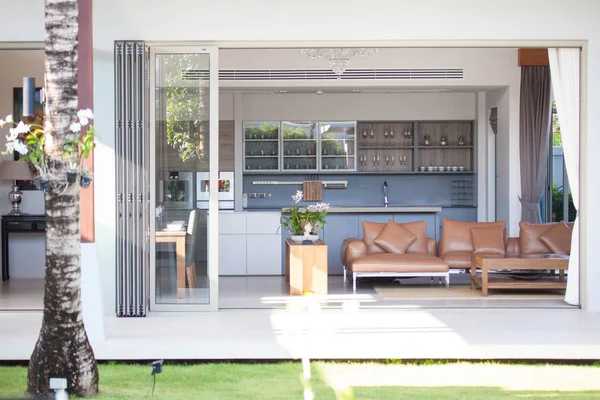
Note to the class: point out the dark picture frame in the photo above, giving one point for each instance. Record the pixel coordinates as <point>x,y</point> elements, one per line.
<point>37,119</point>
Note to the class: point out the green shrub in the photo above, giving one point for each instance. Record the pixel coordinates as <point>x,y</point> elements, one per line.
<point>557,205</point>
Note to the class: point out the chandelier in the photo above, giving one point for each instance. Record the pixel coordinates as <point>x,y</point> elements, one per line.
<point>338,57</point>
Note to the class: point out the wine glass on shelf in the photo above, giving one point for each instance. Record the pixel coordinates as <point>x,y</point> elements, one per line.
<point>391,137</point>
<point>372,137</point>
<point>385,137</point>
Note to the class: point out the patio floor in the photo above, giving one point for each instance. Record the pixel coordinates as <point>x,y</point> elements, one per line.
<point>341,333</point>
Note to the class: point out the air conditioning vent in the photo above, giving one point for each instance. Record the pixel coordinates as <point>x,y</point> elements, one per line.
<point>325,74</point>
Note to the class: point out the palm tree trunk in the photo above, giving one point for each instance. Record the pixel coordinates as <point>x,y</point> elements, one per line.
<point>62,349</point>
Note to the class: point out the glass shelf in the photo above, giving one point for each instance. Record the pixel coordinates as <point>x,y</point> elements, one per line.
<point>261,146</point>
<point>338,145</point>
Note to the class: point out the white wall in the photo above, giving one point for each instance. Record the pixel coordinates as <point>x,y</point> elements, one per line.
<point>507,162</point>
<point>26,251</point>
<point>440,23</point>
<point>358,106</point>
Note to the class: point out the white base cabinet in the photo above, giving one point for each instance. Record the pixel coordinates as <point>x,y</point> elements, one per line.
<point>262,259</point>
<point>250,243</point>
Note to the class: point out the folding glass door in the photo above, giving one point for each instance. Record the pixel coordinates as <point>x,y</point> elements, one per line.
<point>183,117</point>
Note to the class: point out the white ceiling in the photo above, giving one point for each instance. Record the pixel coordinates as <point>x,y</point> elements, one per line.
<point>472,60</point>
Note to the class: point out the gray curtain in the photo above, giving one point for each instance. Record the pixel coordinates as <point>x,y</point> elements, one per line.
<point>534,135</point>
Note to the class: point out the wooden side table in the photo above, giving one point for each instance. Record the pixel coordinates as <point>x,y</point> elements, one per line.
<point>306,267</point>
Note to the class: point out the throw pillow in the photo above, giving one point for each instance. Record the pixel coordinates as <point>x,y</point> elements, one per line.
<point>370,231</point>
<point>419,229</point>
<point>394,238</point>
<point>488,240</point>
<point>558,238</point>
<point>529,238</point>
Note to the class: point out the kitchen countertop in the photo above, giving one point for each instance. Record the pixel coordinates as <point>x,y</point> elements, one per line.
<point>376,209</point>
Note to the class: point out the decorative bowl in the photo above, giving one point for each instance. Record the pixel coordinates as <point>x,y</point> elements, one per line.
<point>175,225</point>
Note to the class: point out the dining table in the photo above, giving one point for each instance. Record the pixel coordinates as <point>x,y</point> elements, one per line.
<point>177,237</point>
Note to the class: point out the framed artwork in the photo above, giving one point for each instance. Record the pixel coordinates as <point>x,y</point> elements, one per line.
<point>36,119</point>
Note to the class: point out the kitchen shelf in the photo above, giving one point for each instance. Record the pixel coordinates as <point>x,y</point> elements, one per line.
<point>423,147</point>
<point>384,147</point>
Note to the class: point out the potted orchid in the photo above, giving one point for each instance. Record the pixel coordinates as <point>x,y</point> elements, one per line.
<point>304,222</point>
<point>79,147</point>
<point>28,141</point>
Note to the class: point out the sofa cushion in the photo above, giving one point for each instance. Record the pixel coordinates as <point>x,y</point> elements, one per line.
<point>457,259</point>
<point>394,238</point>
<point>392,262</point>
<point>456,235</point>
<point>489,240</point>
<point>558,238</point>
<point>529,238</point>
<point>419,229</point>
<point>370,231</point>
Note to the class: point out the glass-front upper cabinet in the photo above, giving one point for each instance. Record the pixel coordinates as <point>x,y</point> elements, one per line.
<point>299,146</point>
<point>338,145</point>
<point>261,146</point>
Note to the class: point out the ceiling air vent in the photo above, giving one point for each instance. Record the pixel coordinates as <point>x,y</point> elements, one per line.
<point>326,74</point>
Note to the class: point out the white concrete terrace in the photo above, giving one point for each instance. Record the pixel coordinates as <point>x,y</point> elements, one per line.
<point>337,333</point>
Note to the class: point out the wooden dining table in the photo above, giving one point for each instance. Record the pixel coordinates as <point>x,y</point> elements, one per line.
<point>177,237</point>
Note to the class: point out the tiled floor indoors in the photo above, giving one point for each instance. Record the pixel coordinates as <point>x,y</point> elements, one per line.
<point>267,292</point>
<point>360,326</point>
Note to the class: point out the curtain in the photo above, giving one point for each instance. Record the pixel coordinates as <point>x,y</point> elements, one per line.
<point>564,68</point>
<point>533,140</point>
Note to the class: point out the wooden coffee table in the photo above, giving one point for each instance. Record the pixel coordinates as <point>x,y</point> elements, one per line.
<point>505,263</point>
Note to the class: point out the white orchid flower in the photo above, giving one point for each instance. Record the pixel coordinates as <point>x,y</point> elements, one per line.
<point>75,127</point>
<point>84,116</point>
<point>9,118</point>
<point>13,134</point>
<point>22,128</point>
<point>21,148</point>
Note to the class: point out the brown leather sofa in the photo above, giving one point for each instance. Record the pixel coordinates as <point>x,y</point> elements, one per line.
<point>392,250</point>
<point>460,239</point>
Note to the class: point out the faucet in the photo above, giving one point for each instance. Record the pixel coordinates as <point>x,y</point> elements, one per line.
<point>385,194</point>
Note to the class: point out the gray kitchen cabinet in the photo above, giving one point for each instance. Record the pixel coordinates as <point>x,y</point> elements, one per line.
<point>337,228</point>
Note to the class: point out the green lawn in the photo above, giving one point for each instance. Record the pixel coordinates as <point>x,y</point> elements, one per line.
<point>266,381</point>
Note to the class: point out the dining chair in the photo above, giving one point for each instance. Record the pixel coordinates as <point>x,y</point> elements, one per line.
<point>190,249</point>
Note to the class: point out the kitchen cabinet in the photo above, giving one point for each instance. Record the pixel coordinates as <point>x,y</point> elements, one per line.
<point>418,146</point>
<point>290,146</point>
<point>299,145</point>
<point>386,146</point>
<point>249,243</point>
<point>263,255</point>
<point>446,146</point>
<point>338,146</point>
<point>261,146</point>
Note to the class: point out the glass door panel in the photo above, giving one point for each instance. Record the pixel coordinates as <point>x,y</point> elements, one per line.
<point>184,146</point>
<point>299,146</point>
<point>261,146</point>
<point>338,145</point>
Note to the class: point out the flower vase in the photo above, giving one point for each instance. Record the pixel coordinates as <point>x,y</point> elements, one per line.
<point>301,238</point>
<point>71,177</point>
<point>44,185</point>
<point>85,181</point>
